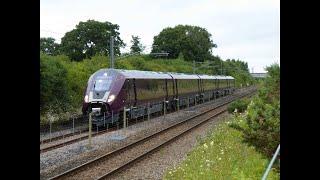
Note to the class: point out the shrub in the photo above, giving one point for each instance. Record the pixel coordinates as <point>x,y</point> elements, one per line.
<point>263,126</point>
<point>262,118</point>
<point>240,105</point>
<point>53,85</point>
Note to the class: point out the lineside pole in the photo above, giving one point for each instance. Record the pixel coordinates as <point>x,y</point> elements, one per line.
<point>111,52</point>
<point>164,108</point>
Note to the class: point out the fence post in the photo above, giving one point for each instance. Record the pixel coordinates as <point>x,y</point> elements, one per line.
<point>104,119</point>
<point>112,116</point>
<point>90,127</point>
<point>50,129</point>
<point>73,124</point>
<point>124,117</point>
<point>271,163</point>
<point>188,102</point>
<point>148,111</point>
<point>177,104</point>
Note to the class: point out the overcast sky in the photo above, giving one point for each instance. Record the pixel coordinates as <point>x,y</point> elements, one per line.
<point>248,30</point>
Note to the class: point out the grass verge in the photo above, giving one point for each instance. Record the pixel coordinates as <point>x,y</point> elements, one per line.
<point>222,155</point>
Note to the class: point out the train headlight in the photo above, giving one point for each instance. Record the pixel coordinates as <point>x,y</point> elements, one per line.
<point>111,98</point>
<point>86,99</point>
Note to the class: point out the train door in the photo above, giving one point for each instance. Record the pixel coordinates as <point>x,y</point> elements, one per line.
<point>131,92</point>
<point>135,93</point>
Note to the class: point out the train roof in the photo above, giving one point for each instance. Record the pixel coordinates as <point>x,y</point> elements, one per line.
<point>223,77</point>
<point>183,76</point>
<point>204,76</point>
<point>143,74</point>
<point>229,77</point>
<point>157,75</point>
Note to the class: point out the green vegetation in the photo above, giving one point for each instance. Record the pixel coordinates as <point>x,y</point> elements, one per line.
<point>262,119</point>
<point>53,86</point>
<point>238,105</point>
<point>192,42</point>
<point>48,46</point>
<point>136,47</point>
<point>223,155</point>
<point>90,38</point>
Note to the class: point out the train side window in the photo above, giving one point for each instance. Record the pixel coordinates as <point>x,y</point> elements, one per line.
<point>187,86</point>
<point>150,89</point>
<point>129,91</point>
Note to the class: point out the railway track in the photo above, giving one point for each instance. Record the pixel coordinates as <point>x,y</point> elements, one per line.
<point>48,145</point>
<point>56,138</point>
<point>113,162</point>
<point>78,137</point>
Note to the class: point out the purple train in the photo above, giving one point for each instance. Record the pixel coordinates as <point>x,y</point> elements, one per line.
<point>143,93</point>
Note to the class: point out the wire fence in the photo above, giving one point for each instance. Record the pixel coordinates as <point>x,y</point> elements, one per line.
<point>54,129</point>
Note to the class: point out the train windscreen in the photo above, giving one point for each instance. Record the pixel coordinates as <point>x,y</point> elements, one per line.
<point>102,84</point>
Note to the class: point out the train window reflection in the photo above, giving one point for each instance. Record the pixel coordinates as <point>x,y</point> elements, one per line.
<point>102,84</point>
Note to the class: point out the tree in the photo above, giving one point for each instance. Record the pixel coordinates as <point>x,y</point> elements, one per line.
<point>53,84</point>
<point>48,46</point>
<point>192,41</point>
<point>136,45</point>
<point>90,38</point>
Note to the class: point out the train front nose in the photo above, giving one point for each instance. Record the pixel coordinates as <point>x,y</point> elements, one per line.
<point>99,108</point>
<point>100,112</point>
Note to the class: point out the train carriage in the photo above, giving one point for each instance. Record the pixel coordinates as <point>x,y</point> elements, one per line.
<point>146,92</point>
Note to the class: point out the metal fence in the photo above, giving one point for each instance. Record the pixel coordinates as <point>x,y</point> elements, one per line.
<point>271,163</point>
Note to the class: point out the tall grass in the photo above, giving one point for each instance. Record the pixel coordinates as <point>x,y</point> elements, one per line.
<point>222,155</point>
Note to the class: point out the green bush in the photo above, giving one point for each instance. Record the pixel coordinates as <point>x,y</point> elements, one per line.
<point>262,127</point>
<point>54,94</point>
<point>240,105</point>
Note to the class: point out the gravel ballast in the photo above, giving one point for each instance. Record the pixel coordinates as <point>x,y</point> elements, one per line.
<point>155,165</point>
